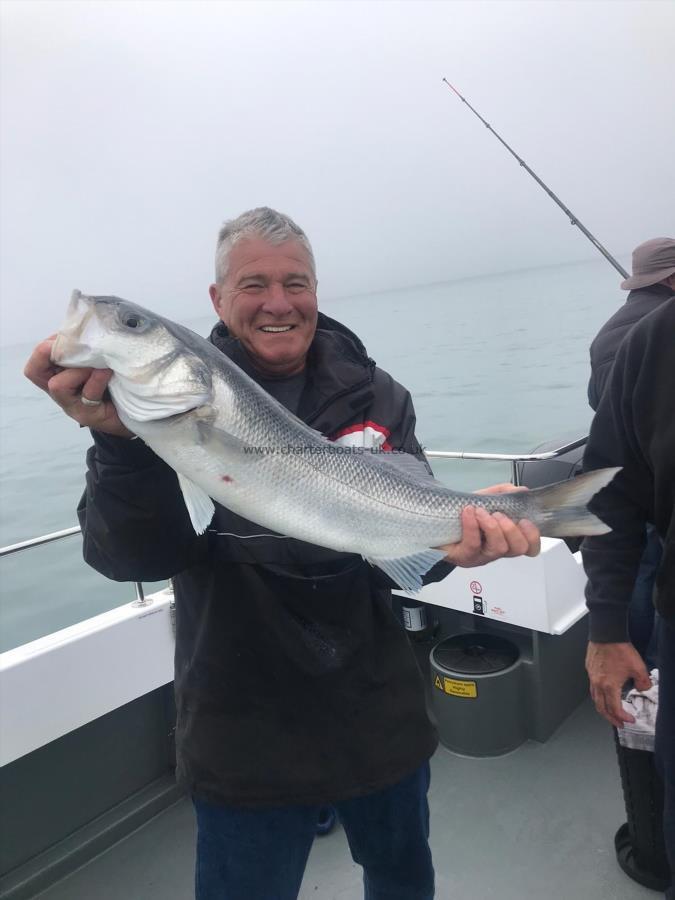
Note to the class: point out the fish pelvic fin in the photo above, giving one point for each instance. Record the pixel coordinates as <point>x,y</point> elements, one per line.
<point>561,509</point>
<point>199,505</point>
<point>407,571</point>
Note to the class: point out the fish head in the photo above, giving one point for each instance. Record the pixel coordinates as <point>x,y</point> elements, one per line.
<point>156,375</point>
<point>109,333</point>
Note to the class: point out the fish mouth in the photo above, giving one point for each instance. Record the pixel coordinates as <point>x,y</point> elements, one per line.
<point>68,338</point>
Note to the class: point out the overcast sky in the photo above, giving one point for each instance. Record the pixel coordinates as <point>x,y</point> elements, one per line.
<point>131,130</point>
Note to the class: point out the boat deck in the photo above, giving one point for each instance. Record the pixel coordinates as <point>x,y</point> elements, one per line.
<point>537,823</point>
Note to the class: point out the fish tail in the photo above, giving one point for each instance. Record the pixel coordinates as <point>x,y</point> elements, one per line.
<point>561,509</point>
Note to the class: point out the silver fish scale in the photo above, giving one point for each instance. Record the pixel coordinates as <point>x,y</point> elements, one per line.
<point>344,499</point>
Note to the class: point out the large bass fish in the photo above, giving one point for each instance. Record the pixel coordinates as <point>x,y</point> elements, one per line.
<point>230,441</point>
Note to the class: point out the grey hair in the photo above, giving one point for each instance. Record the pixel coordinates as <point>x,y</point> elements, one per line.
<point>263,222</point>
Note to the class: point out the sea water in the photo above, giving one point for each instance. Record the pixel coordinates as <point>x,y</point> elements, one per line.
<point>494,364</point>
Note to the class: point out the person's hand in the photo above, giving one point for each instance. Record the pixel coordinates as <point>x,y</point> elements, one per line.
<point>489,536</point>
<point>609,667</point>
<point>81,393</point>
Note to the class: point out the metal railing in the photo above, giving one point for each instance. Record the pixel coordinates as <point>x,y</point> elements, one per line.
<point>513,458</point>
<point>58,536</point>
<point>38,541</point>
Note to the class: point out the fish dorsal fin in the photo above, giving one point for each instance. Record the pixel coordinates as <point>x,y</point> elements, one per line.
<point>199,505</point>
<point>408,464</point>
<point>298,421</point>
<point>144,403</point>
<point>407,571</point>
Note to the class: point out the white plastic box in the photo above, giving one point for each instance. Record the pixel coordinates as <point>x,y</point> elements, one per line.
<point>545,593</point>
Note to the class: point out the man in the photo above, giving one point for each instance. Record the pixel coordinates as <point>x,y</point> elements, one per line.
<point>295,685</point>
<point>635,428</point>
<point>650,285</point>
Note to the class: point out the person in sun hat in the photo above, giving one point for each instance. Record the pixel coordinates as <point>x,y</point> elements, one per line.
<point>634,428</point>
<point>652,283</point>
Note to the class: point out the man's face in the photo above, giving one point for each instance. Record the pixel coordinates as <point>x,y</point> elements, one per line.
<point>268,301</point>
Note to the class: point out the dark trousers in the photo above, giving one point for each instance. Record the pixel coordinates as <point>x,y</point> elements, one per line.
<point>642,618</point>
<point>260,854</point>
<point>665,739</point>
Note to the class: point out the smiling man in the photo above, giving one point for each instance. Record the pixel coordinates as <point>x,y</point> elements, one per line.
<point>266,295</point>
<point>295,685</point>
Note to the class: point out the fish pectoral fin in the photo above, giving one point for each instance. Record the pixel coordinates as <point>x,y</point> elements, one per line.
<point>407,571</point>
<point>199,505</point>
<point>210,434</point>
<point>144,402</point>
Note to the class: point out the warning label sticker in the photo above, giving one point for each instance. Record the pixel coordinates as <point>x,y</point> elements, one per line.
<point>456,688</point>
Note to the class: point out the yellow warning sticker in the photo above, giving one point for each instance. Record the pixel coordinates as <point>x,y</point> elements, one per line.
<point>459,688</point>
<point>438,683</point>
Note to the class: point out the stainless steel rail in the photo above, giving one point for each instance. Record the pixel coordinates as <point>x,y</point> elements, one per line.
<point>38,541</point>
<point>513,458</point>
<point>140,600</point>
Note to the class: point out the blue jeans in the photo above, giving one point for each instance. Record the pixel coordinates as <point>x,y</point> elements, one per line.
<point>665,739</point>
<point>260,854</point>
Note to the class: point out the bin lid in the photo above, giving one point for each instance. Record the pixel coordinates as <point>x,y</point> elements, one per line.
<point>475,654</point>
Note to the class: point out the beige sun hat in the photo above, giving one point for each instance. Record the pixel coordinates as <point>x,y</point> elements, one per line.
<point>652,262</point>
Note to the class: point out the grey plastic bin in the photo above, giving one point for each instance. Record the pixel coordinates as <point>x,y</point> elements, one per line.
<point>477,694</point>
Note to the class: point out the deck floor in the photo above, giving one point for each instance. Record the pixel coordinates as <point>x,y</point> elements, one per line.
<point>538,823</point>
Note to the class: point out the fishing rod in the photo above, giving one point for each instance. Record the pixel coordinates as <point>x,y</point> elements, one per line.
<point>573,219</point>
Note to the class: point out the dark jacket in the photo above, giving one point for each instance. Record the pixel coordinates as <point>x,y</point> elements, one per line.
<point>605,344</point>
<point>294,681</point>
<point>635,428</point>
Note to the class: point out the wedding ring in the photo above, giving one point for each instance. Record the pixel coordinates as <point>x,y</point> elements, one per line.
<point>85,401</point>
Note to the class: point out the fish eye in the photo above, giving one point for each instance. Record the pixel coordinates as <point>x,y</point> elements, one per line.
<point>131,318</point>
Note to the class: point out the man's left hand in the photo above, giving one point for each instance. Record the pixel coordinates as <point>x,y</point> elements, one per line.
<point>489,536</point>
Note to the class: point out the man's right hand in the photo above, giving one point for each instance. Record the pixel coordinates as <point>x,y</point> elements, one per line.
<point>67,387</point>
<point>609,667</point>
